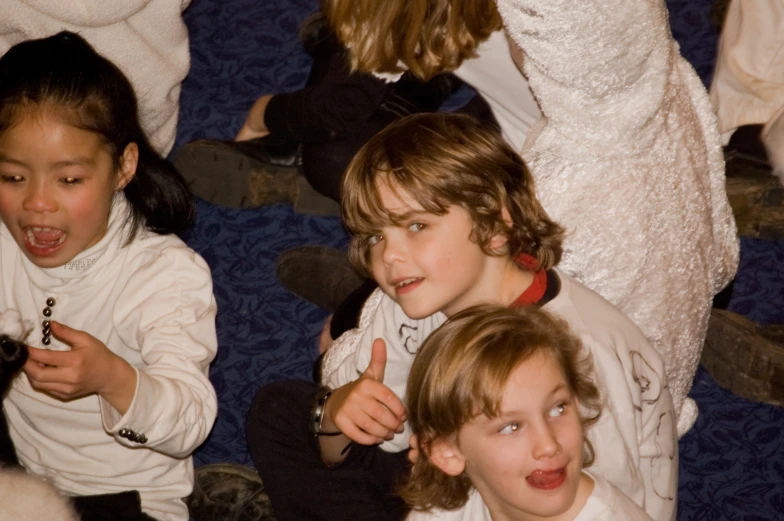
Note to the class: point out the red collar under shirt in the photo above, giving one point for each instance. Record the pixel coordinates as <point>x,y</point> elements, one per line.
<point>533,293</point>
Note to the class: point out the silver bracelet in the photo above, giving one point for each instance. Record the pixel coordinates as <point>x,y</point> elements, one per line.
<point>317,413</point>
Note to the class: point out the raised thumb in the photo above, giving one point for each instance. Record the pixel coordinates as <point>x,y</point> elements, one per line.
<point>378,361</point>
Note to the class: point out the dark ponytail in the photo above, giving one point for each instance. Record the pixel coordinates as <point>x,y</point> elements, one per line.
<point>63,73</point>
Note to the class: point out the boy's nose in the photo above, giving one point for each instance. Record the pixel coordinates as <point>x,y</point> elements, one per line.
<point>394,250</point>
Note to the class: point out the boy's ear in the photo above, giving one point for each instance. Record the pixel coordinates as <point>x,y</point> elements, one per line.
<point>128,163</point>
<point>447,457</point>
<point>499,240</point>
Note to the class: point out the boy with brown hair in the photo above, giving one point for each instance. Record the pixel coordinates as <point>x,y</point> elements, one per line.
<point>443,214</point>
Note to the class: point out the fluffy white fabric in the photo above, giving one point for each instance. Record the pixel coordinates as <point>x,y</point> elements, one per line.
<point>628,159</point>
<point>147,39</point>
<point>27,498</point>
<point>13,325</point>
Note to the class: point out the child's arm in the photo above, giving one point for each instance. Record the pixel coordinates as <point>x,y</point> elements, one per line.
<point>166,311</point>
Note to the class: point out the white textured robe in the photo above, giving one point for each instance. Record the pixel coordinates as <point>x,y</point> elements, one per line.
<point>146,39</point>
<point>628,159</point>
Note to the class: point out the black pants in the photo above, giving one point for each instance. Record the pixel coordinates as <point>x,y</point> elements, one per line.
<point>299,484</point>
<point>339,110</point>
<point>122,506</point>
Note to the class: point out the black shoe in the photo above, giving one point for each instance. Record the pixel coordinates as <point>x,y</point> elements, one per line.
<point>227,492</point>
<point>249,174</point>
<point>746,146</point>
<point>323,276</point>
<point>744,357</point>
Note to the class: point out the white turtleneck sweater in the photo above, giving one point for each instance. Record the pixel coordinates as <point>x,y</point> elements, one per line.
<point>151,303</point>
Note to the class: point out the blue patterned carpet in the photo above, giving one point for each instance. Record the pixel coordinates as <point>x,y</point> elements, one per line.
<point>732,462</point>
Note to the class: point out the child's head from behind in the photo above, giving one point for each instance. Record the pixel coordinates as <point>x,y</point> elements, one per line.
<point>493,397</point>
<point>441,186</point>
<point>428,36</point>
<point>69,140</point>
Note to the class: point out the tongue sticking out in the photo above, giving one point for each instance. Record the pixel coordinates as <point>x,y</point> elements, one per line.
<point>546,479</point>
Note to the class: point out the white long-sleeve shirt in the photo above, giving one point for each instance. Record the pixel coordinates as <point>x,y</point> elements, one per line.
<point>151,303</point>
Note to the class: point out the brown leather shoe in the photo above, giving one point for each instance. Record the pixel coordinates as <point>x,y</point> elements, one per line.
<point>755,194</point>
<point>229,492</point>
<point>745,358</point>
<point>321,275</point>
<point>249,174</point>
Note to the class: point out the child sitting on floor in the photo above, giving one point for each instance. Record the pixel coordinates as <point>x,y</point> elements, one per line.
<point>498,399</point>
<point>114,396</point>
<point>443,214</point>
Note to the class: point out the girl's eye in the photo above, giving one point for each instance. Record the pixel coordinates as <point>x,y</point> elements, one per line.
<point>374,239</point>
<point>416,227</point>
<point>12,179</point>
<point>509,428</point>
<point>558,410</point>
<point>71,180</point>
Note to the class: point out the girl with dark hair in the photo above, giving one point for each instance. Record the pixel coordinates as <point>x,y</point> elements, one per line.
<point>114,396</point>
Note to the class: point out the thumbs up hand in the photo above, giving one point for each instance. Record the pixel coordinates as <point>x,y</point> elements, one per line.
<point>365,410</point>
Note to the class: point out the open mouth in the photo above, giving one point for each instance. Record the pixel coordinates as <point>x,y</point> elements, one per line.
<point>406,282</point>
<point>547,479</point>
<point>43,240</point>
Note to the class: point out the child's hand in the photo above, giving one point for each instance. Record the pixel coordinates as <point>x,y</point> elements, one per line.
<point>366,410</point>
<point>89,367</point>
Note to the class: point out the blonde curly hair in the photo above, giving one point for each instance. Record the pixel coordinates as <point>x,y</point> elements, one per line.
<point>426,36</point>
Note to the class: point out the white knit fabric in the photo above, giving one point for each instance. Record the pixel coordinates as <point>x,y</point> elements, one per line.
<point>13,325</point>
<point>628,159</point>
<point>146,39</point>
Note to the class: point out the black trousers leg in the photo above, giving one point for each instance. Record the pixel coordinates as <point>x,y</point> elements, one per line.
<point>299,484</point>
<point>7,450</point>
<point>122,506</point>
